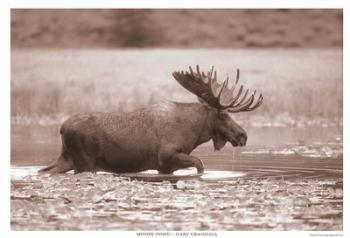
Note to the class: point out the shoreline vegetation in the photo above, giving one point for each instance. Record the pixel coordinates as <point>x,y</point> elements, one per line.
<point>299,83</point>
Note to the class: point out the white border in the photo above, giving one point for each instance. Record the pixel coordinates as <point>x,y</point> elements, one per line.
<point>5,119</point>
<point>6,5</point>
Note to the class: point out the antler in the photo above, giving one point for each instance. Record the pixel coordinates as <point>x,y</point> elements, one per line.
<point>219,96</point>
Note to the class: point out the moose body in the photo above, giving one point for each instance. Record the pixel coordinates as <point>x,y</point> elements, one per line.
<point>159,137</point>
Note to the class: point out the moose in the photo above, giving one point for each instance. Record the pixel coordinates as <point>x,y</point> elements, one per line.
<point>159,137</point>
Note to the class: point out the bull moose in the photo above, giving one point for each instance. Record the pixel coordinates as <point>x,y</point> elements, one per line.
<point>159,137</point>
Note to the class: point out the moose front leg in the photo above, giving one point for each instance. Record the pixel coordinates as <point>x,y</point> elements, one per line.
<point>180,161</point>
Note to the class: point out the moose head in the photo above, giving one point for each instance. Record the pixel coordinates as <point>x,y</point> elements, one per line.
<point>222,100</point>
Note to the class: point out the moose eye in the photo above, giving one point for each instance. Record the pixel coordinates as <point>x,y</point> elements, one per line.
<point>223,116</point>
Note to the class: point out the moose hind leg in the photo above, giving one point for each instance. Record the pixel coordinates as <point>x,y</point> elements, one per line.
<point>83,152</point>
<point>181,161</point>
<point>63,164</point>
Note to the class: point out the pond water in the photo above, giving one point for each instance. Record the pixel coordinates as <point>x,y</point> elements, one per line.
<point>38,144</point>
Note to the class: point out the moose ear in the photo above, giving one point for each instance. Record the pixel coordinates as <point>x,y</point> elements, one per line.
<point>219,141</point>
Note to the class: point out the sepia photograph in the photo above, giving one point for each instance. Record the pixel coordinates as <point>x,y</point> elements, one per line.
<point>176,120</point>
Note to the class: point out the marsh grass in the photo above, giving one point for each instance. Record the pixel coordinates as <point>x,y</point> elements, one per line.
<point>305,83</point>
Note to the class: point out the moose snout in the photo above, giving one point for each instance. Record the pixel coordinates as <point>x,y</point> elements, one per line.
<point>242,139</point>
